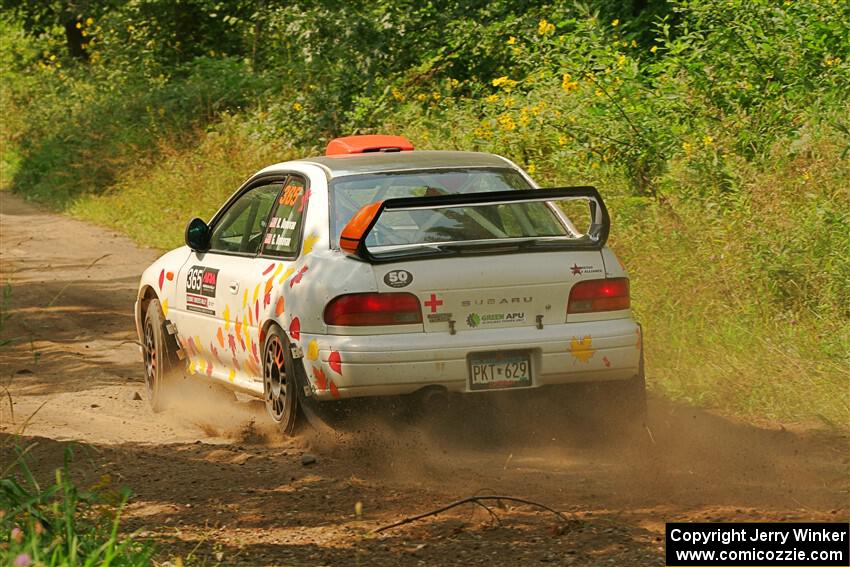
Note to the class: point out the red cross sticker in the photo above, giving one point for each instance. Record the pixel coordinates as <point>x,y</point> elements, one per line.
<point>433,303</point>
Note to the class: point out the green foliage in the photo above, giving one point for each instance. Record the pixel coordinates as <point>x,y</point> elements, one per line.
<point>60,524</point>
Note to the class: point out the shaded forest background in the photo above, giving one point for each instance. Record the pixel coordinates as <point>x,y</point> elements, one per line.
<point>717,130</point>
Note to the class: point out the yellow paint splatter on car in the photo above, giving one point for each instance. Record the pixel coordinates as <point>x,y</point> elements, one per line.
<point>289,271</point>
<point>226,316</point>
<point>582,349</point>
<point>245,298</point>
<point>309,242</point>
<point>164,308</point>
<point>232,375</point>
<point>313,350</point>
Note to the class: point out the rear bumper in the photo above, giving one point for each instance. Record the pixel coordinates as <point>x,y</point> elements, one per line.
<point>385,365</point>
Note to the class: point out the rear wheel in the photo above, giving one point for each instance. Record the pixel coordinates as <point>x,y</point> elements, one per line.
<point>158,351</point>
<point>280,381</point>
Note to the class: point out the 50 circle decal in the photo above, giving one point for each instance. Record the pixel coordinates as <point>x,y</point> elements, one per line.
<point>398,278</point>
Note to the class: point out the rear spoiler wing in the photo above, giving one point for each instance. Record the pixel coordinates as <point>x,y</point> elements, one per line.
<point>353,237</point>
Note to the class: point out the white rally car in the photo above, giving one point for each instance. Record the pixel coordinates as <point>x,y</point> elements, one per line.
<point>378,270</point>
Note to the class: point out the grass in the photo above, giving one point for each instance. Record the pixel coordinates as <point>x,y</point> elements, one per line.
<point>60,524</point>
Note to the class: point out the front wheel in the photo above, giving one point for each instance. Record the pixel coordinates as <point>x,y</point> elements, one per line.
<point>280,382</point>
<point>159,354</point>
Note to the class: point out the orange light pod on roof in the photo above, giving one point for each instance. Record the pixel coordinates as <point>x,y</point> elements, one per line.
<point>367,144</point>
<point>352,234</point>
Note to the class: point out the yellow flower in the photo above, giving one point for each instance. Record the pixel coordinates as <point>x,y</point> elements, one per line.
<point>568,84</point>
<point>688,148</point>
<point>599,92</point>
<point>506,121</point>
<point>615,22</point>
<point>85,33</point>
<point>79,25</point>
<point>562,140</point>
<point>435,95</point>
<point>509,101</point>
<point>297,106</point>
<point>807,175</point>
<point>523,117</point>
<point>511,40</point>
<point>421,97</point>
<point>504,82</point>
<point>397,95</point>
<point>707,141</point>
<point>634,43</point>
<point>53,58</point>
<point>531,169</point>
<point>492,98</point>
<point>621,60</point>
<point>89,21</point>
<point>653,49</point>
<point>544,27</point>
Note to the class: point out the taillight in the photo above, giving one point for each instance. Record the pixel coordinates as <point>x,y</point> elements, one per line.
<point>599,295</point>
<point>362,309</point>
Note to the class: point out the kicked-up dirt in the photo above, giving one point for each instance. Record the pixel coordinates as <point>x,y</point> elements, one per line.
<point>214,482</point>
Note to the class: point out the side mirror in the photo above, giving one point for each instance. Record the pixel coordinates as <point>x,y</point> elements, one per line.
<point>198,235</point>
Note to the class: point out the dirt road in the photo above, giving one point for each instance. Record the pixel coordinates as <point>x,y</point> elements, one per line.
<point>216,482</point>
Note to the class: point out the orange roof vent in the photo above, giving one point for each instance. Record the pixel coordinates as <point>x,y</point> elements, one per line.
<point>367,144</point>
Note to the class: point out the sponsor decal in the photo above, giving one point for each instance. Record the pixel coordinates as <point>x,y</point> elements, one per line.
<point>579,270</point>
<point>433,302</point>
<point>200,304</point>
<point>439,317</point>
<point>496,301</point>
<point>474,320</point>
<point>201,283</point>
<point>283,224</point>
<point>398,278</point>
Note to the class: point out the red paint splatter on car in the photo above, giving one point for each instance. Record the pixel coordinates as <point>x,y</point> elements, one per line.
<point>304,199</point>
<point>334,390</point>
<point>297,277</point>
<point>161,278</point>
<point>269,269</point>
<point>295,329</point>
<point>320,378</point>
<point>335,361</point>
<point>231,343</point>
<point>606,362</point>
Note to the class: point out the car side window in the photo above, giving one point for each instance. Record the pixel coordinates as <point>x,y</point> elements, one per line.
<point>242,226</point>
<point>283,238</point>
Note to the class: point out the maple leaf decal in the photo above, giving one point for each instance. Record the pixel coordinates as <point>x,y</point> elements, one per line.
<point>582,349</point>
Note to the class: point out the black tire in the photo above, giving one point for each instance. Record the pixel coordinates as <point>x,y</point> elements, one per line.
<point>159,354</point>
<point>281,381</point>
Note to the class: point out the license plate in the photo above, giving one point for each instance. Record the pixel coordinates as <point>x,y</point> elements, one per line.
<point>496,370</point>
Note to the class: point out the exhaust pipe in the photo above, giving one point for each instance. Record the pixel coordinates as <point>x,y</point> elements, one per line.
<point>434,400</point>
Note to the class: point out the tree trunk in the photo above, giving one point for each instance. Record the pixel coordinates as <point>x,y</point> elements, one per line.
<point>74,39</point>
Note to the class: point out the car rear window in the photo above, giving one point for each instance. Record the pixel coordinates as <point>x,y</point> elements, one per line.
<point>510,220</point>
